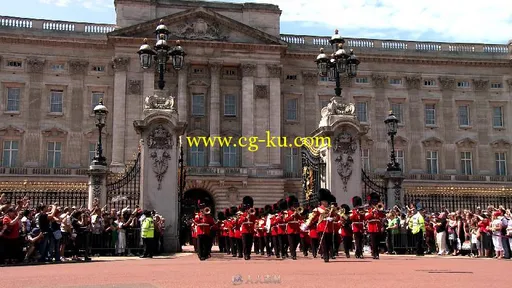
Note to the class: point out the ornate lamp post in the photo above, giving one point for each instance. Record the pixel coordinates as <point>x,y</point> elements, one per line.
<point>338,63</point>
<point>161,53</point>
<point>100,112</point>
<point>392,127</point>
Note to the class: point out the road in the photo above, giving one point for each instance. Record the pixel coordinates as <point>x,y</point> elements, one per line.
<point>185,270</point>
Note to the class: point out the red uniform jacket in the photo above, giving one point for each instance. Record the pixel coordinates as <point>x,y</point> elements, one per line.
<point>260,227</point>
<point>337,225</point>
<point>204,223</point>
<point>346,228</point>
<point>237,229</point>
<point>231,227</point>
<point>374,218</point>
<point>194,230</point>
<point>274,224</point>
<point>324,226</point>
<point>292,222</point>
<point>247,222</point>
<point>357,222</point>
<point>224,229</point>
<point>281,225</point>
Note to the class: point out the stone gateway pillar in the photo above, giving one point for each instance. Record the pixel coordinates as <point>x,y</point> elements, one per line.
<point>159,131</point>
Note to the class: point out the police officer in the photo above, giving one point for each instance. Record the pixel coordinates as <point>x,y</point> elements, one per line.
<point>147,234</point>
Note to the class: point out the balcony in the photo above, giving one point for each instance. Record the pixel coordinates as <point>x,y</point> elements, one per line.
<point>235,172</point>
<point>458,178</point>
<point>25,171</point>
<point>7,22</point>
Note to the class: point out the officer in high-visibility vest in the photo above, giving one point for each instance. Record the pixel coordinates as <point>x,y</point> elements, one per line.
<point>147,232</point>
<point>417,227</point>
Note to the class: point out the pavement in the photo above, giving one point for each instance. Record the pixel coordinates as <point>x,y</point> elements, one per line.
<point>185,270</point>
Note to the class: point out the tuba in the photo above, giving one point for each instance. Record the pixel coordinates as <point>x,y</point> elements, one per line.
<point>252,211</point>
<point>207,211</point>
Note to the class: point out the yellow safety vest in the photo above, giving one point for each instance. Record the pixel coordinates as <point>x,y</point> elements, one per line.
<point>417,224</point>
<point>148,228</point>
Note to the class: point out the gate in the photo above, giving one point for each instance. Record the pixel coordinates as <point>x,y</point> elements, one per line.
<point>65,194</point>
<point>313,174</point>
<point>371,186</point>
<point>124,190</point>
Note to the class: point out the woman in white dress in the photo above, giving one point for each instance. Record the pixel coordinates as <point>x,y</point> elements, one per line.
<point>496,234</point>
<point>121,235</point>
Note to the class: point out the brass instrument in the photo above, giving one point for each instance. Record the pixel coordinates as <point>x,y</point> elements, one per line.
<point>299,210</point>
<point>251,211</point>
<point>380,206</point>
<point>207,211</point>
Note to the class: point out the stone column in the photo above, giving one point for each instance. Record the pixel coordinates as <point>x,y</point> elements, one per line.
<point>35,109</point>
<point>393,180</point>
<point>416,124</point>
<point>311,101</point>
<point>481,123</point>
<point>379,131</point>
<point>248,73</point>
<point>449,113</point>
<point>148,87</point>
<point>215,111</point>
<point>183,94</point>
<point>97,185</point>
<point>274,73</point>
<point>119,112</point>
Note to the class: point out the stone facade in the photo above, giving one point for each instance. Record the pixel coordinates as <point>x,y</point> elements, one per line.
<point>242,78</point>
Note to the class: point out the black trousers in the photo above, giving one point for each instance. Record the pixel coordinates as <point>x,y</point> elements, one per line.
<point>347,244</point>
<point>418,238</point>
<point>326,245</point>
<point>148,247</point>
<point>236,247</point>
<point>277,246</point>
<point>374,242</point>
<point>268,244</point>
<point>227,241</point>
<point>247,241</point>
<point>194,243</point>
<point>283,243</point>
<point>256,243</point>
<point>232,242</point>
<point>337,243</point>
<point>304,245</point>
<point>358,239</point>
<point>202,246</point>
<point>389,241</point>
<point>222,244</point>
<point>261,245</point>
<point>293,241</point>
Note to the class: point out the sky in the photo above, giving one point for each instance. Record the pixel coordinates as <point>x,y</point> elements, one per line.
<point>415,20</point>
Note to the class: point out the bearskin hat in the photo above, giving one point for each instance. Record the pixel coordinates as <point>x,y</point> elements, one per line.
<point>283,206</point>
<point>200,205</point>
<point>346,208</point>
<point>291,201</point>
<point>247,201</point>
<point>221,216</point>
<point>357,202</point>
<point>268,209</point>
<point>275,207</point>
<point>373,198</point>
<point>333,201</point>
<point>233,210</point>
<point>227,213</point>
<point>324,195</point>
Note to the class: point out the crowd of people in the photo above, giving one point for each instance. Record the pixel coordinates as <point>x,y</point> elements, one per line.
<point>52,233</point>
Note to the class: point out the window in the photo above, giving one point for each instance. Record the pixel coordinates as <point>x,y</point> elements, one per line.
<point>92,151</point>
<point>56,101</point>
<point>95,99</point>
<point>97,68</point>
<point>463,84</point>
<point>10,153</point>
<point>57,67</point>
<point>362,111</point>
<point>362,80</point>
<point>432,162</point>
<point>292,162</point>
<point>230,105</point>
<point>198,71</point>
<point>400,158</point>
<point>365,158</point>
<point>429,82</point>
<point>229,156</point>
<point>396,108</point>
<point>13,99</point>
<point>15,64</point>
<point>291,77</point>
<point>198,105</point>
<point>197,156</point>
<point>464,115</point>
<point>324,79</point>
<point>430,114</point>
<point>466,163</point>
<point>291,109</point>
<point>501,163</point>
<point>497,117</point>
<point>54,154</point>
<point>496,86</point>
<point>230,72</point>
<point>395,81</point>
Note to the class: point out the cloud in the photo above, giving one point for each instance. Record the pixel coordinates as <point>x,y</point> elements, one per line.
<point>445,20</point>
<point>88,4</point>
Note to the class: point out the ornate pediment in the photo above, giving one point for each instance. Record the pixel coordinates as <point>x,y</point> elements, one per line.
<point>399,141</point>
<point>197,133</point>
<point>466,143</point>
<point>94,133</point>
<point>54,132</point>
<point>366,141</point>
<point>199,83</point>
<point>11,131</point>
<point>230,133</point>
<point>432,142</point>
<point>500,144</point>
<point>200,24</point>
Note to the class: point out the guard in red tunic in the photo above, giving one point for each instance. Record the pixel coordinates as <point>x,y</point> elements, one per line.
<point>225,227</point>
<point>374,217</point>
<point>292,220</point>
<point>281,228</point>
<point>305,241</point>
<point>275,219</point>
<point>346,229</point>
<point>232,227</point>
<point>357,219</point>
<point>221,241</point>
<point>259,233</point>
<point>269,211</point>
<point>204,222</point>
<point>246,222</point>
<point>311,227</point>
<point>193,234</point>
<point>336,239</point>
<point>238,233</point>
<point>323,215</point>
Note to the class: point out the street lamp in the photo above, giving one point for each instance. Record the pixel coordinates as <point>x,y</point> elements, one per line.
<point>338,63</point>
<point>161,53</point>
<point>100,113</point>
<point>392,127</point>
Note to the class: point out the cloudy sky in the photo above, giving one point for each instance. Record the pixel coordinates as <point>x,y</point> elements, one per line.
<point>428,20</point>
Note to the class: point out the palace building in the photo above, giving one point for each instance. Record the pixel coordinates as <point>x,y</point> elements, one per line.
<point>244,78</point>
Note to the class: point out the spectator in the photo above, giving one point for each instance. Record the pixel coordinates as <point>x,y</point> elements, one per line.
<point>496,234</point>
<point>34,240</point>
<point>11,235</point>
<point>440,227</point>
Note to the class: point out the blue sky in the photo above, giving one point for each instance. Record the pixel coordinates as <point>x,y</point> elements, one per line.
<point>426,20</point>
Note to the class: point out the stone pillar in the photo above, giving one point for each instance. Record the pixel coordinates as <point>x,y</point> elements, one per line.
<point>148,87</point>
<point>449,113</point>
<point>311,101</point>
<point>417,124</point>
<point>275,107</point>
<point>481,123</point>
<point>119,112</point>
<point>215,111</point>
<point>379,132</point>
<point>248,73</point>
<point>183,94</point>
<point>35,111</point>
<point>395,193</point>
<point>159,132</point>
<point>97,185</point>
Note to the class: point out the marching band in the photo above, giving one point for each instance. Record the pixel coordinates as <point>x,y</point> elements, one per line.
<point>278,229</point>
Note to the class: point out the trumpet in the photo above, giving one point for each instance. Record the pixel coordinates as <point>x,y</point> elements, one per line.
<point>299,210</point>
<point>252,211</point>
<point>207,211</point>
<point>380,206</point>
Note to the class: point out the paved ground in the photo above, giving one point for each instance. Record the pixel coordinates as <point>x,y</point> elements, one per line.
<point>185,270</point>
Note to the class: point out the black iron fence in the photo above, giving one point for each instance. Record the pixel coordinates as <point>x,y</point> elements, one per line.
<point>63,198</point>
<point>454,202</point>
<point>125,190</point>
